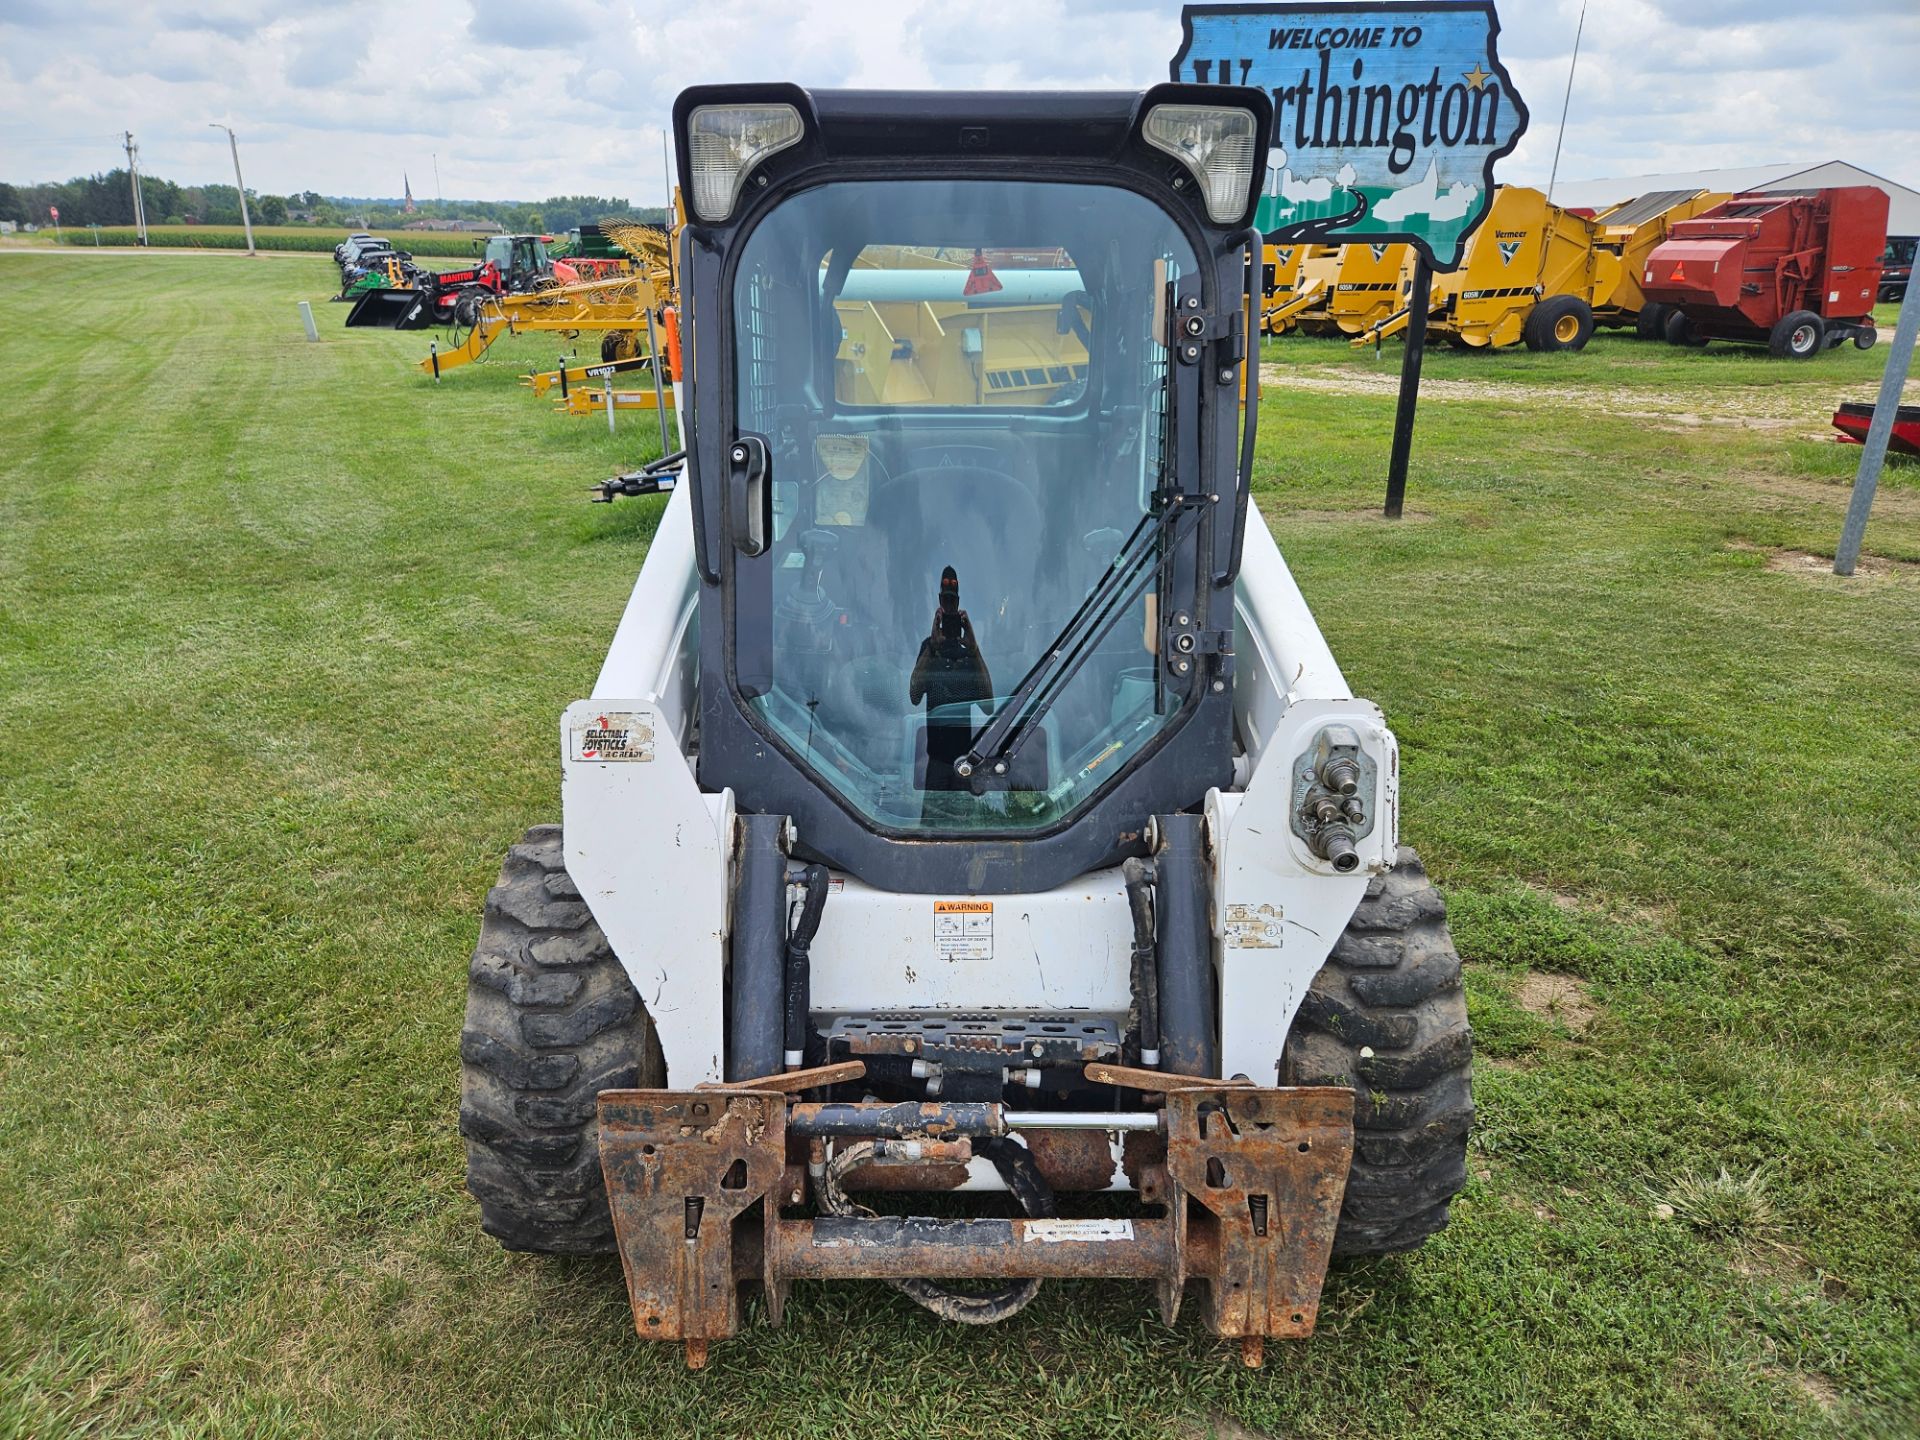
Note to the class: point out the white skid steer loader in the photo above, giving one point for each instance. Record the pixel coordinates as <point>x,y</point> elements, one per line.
<point>969,802</point>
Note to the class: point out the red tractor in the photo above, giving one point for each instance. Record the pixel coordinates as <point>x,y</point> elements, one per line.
<point>1794,271</point>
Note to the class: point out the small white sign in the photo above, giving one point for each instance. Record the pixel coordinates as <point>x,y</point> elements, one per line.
<point>616,735</point>
<point>1055,1232</point>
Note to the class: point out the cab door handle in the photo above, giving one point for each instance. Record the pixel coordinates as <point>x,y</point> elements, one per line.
<point>749,494</point>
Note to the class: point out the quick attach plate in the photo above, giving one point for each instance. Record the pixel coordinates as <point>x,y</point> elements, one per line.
<point>682,1167</point>
<point>1268,1171</point>
<point>1254,1181</point>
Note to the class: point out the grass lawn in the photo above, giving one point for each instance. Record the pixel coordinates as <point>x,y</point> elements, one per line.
<point>284,630</point>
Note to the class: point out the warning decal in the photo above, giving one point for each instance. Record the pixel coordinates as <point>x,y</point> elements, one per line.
<point>617,735</point>
<point>963,929</point>
<point>1052,1232</point>
<point>1254,927</point>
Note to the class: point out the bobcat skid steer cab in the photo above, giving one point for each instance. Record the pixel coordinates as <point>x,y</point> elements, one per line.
<point>976,870</point>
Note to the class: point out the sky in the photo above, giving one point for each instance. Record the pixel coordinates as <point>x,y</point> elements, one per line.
<point>522,99</point>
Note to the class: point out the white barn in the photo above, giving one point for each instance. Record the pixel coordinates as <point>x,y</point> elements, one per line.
<point>1903,204</point>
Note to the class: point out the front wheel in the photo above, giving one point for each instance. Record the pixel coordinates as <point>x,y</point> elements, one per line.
<point>1864,337</point>
<point>1387,1018</point>
<point>1797,335</point>
<point>552,1020</point>
<point>1559,322</point>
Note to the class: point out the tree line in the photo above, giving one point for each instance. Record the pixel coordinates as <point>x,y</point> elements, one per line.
<point>107,199</point>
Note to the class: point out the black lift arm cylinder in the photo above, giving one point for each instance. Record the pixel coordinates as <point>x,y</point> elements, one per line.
<point>1183,945</point>
<point>756,981</point>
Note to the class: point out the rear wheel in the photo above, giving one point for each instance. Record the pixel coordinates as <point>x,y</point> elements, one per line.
<point>1679,330</point>
<point>1647,324</point>
<point>552,1020</point>
<point>1797,335</point>
<point>1559,322</point>
<point>1386,1017</point>
<point>619,345</point>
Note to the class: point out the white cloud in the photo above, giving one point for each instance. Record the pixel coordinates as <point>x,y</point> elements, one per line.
<point>523,100</point>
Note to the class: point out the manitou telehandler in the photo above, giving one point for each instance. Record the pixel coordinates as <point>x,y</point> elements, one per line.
<point>968,806</point>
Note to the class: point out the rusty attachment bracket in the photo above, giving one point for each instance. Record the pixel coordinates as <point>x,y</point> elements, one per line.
<point>1265,1171</point>
<point>791,1081</point>
<point>1251,1180</point>
<point>683,1167</point>
<point>1130,1077</point>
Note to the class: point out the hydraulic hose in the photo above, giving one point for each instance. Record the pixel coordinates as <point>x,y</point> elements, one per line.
<point>1024,1182</point>
<point>1144,969</point>
<point>1255,243</point>
<point>799,966</point>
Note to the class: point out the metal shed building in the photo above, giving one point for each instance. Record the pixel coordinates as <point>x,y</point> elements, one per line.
<point>1903,204</point>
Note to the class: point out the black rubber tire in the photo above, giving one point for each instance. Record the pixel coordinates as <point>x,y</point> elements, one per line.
<point>1865,337</point>
<point>1386,1016</point>
<point>1797,335</point>
<point>1559,322</point>
<point>1678,330</point>
<point>1649,323</point>
<point>552,1020</point>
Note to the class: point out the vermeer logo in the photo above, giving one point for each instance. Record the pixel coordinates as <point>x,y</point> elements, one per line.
<point>1387,119</point>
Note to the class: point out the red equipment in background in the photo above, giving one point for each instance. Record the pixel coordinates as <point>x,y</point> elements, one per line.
<point>1795,271</point>
<point>1852,421</point>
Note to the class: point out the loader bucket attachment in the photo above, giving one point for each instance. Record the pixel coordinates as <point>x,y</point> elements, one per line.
<point>393,310</point>
<point>1246,1184</point>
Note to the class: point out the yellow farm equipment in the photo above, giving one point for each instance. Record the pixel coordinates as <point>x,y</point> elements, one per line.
<point>1631,230</point>
<point>569,377</point>
<point>592,400</point>
<point>603,306</point>
<point>939,326</point>
<point>1533,272</point>
<point>1305,308</point>
<point>1370,287</point>
<point>1279,283</point>
<point>626,311</point>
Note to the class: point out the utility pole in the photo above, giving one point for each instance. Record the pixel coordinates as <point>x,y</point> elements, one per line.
<point>1567,103</point>
<point>133,175</point>
<point>436,177</point>
<point>246,220</point>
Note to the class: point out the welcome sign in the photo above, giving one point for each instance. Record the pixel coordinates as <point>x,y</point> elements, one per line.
<point>1387,118</point>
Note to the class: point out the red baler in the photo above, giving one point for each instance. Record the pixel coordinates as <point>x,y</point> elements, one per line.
<point>1795,271</point>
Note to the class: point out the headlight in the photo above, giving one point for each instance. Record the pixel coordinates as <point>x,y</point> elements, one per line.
<point>1216,145</point>
<point>725,142</point>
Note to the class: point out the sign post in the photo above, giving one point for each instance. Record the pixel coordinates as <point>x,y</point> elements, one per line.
<point>1410,362</point>
<point>1387,122</point>
<point>1873,451</point>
